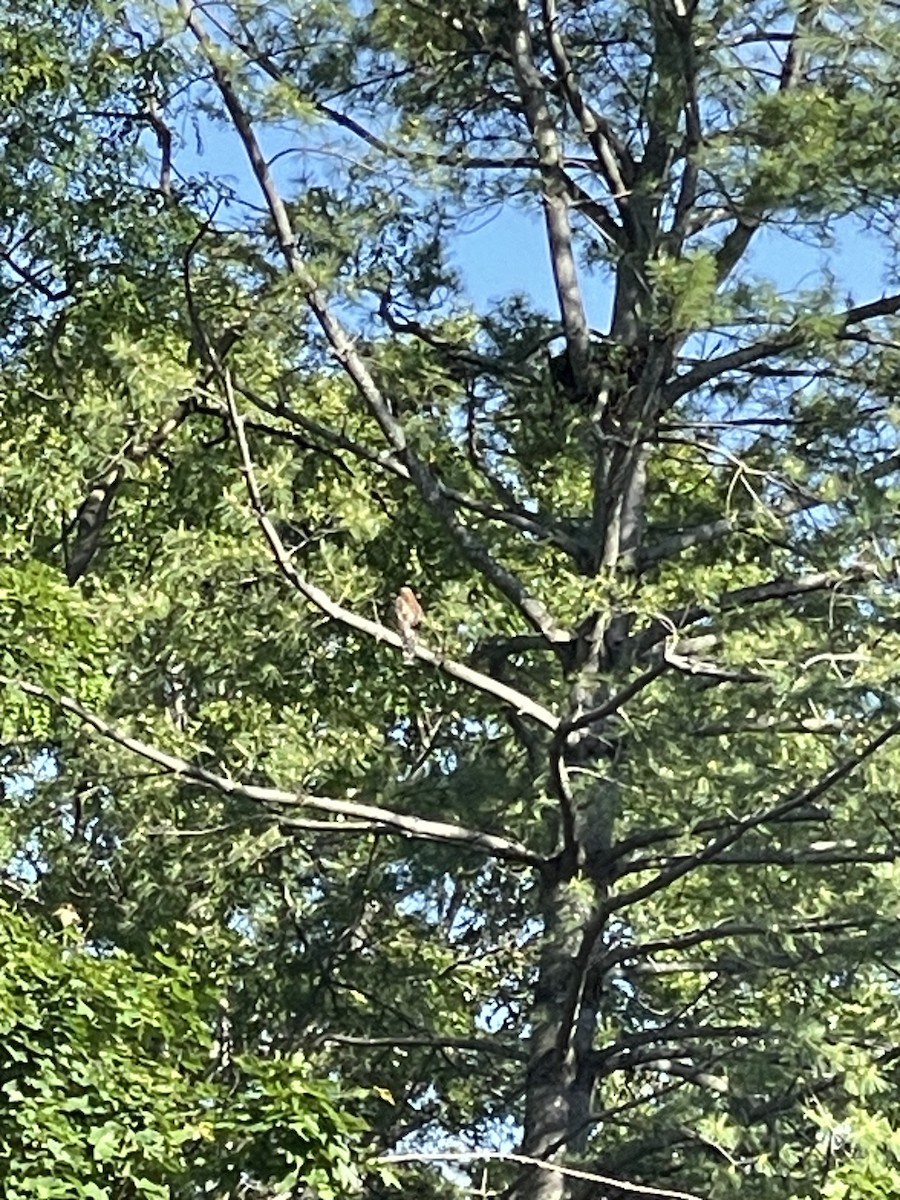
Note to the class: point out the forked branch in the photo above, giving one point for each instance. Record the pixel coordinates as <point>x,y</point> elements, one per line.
<point>343,349</point>
<point>315,595</point>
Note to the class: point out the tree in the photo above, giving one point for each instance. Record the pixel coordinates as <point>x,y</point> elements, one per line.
<point>601,863</point>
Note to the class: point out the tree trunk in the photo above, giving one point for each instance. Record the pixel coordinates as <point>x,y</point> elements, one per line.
<point>555,1105</point>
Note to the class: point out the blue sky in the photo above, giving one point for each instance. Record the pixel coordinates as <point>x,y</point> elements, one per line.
<point>507,252</point>
<point>504,251</point>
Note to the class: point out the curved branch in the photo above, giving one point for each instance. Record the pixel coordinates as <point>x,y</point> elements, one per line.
<point>484,683</point>
<point>386,819</point>
<point>724,931</point>
<point>344,351</point>
<point>782,588</point>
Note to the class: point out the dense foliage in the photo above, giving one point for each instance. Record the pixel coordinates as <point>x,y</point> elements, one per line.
<point>593,873</point>
<point>107,1088</point>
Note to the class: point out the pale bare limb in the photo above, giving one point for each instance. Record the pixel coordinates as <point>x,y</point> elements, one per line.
<point>471,1156</point>
<point>611,153</point>
<point>344,351</point>
<point>418,828</point>
<point>477,1045</point>
<point>320,599</point>
<point>557,201</point>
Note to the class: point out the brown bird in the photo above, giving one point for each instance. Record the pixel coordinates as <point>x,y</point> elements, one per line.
<point>68,916</point>
<point>410,616</point>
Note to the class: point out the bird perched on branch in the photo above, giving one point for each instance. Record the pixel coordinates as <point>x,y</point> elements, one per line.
<point>410,616</point>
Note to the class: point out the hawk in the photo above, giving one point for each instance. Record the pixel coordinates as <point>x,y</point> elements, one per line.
<point>408,612</point>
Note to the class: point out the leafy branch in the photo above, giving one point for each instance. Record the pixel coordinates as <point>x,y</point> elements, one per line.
<point>315,595</point>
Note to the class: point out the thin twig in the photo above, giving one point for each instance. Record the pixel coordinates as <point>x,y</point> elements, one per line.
<point>464,1156</point>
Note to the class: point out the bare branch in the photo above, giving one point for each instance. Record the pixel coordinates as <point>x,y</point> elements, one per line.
<point>615,703</point>
<point>887,306</point>
<point>826,855</point>
<point>746,224</point>
<point>684,539</point>
<point>418,828</point>
<point>316,596</point>
<point>613,1054</point>
<point>306,825</point>
<point>800,500</point>
<point>82,534</point>
<point>682,385</point>
<point>690,664</point>
<point>740,827</point>
<point>561,787</point>
<point>783,588</point>
<point>477,1045</point>
<point>611,153</point>
<point>33,278</point>
<point>557,201</point>
<point>470,1156</point>
<point>559,774</point>
<point>670,1066</point>
<point>725,931</point>
<point>792,339</point>
<point>595,212</point>
<point>343,349</point>
<point>457,158</point>
<point>735,245</point>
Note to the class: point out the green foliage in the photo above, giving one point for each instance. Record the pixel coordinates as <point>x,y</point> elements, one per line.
<point>685,290</point>
<point>114,1086</point>
<point>292,961</point>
